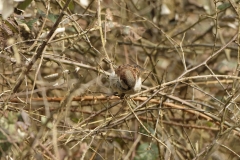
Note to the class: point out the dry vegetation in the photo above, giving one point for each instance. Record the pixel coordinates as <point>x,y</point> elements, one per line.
<point>56,103</point>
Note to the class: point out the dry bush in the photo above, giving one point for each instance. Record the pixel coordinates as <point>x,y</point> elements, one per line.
<point>55,97</point>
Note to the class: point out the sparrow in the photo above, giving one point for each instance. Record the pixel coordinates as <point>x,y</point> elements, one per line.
<point>126,79</point>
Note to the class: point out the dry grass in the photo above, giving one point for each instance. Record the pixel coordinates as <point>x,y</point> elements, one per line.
<point>54,89</point>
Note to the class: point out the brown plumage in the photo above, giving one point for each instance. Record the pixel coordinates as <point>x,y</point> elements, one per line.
<point>126,79</point>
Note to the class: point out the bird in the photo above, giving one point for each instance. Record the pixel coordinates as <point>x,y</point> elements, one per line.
<point>126,79</point>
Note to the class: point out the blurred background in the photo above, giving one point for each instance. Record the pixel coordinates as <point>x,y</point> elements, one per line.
<point>55,98</point>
